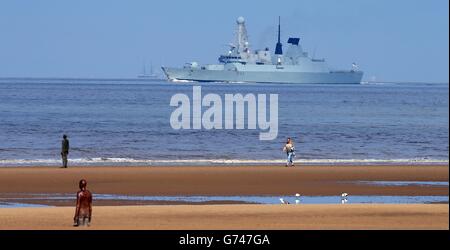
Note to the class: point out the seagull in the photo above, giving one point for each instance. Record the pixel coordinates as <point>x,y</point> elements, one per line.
<point>297,198</point>
<point>344,198</point>
<point>283,201</point>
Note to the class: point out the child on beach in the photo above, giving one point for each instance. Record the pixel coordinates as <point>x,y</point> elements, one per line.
<point>83,209</point>
<point>290,151</point>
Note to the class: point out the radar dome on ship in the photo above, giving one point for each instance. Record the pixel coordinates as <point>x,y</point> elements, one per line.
<point>240,20</point>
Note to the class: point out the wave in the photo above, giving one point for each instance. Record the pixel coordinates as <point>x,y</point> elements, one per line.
<point>131,161</point>
<point>181,81</point>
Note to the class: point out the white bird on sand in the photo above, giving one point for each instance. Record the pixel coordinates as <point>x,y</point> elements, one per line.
<point>283,201</point>
<point>344,195</point>
<point>297,198</point>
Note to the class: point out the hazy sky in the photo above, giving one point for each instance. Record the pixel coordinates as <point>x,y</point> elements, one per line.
<point>400,40</point>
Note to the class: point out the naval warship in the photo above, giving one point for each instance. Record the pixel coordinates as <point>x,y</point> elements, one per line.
<point>243,65</point>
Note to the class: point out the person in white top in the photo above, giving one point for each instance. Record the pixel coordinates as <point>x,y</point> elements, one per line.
<point>290,151</point>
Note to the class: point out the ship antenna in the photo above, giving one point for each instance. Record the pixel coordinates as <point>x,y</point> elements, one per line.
<point>143,67</point>
<point>279,27</point>
<point>278,48</point>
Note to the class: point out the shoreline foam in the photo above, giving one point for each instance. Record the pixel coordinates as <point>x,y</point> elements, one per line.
<point>203,162</point>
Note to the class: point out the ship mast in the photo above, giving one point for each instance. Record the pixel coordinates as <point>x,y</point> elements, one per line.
<point>242,38</point>
<point>143,68</point>
<point>278,48</point>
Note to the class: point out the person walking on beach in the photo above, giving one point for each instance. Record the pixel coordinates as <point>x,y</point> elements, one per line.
<point>83,211</point>
<point>290,152</point>
<point>64,150</point>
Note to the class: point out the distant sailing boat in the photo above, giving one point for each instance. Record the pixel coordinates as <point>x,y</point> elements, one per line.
<point>147,75</point>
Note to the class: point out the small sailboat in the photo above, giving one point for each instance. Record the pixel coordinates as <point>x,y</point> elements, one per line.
<point>147,75</point>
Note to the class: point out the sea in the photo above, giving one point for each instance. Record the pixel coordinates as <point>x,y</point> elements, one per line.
<point>127,122</point>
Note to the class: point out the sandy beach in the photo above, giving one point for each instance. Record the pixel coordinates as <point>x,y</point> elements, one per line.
<point>215,180</point>
<point>205,217</point>
<point>225,180</point>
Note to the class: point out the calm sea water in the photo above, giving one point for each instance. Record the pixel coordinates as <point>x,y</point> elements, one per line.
<point>127,122</point>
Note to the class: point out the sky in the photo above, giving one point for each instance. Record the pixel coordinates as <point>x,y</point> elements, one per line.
<point>390,40</point>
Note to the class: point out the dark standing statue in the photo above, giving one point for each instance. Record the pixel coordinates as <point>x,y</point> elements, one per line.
<point>64,150</point>
<point>83,212</point>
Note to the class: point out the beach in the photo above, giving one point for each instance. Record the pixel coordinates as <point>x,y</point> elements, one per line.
<point>229,217</point>
<point>226,181</point>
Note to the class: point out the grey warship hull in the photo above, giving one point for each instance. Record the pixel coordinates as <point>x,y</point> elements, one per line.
<point>263,76</point>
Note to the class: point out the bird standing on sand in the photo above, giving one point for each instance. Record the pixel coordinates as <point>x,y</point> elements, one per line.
<point>283,201</point>
<point>344,198</point>
<point>297,198</point>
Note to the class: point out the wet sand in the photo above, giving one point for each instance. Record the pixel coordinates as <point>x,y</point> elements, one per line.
<point>204,217</point>
<point>223,180</point>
